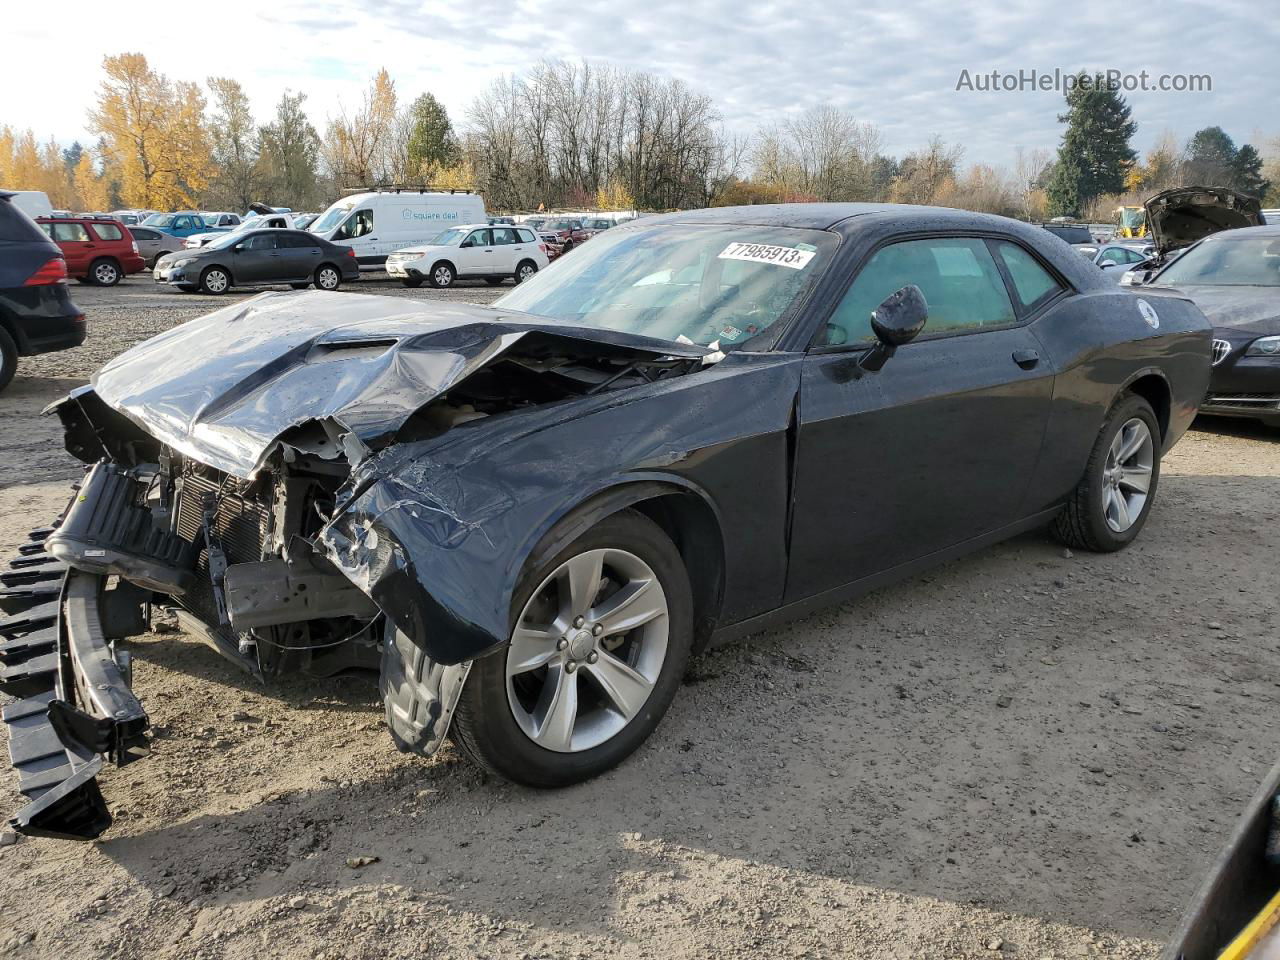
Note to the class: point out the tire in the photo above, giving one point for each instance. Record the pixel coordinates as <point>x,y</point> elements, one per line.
<point>413,282</point>
<point>105,272</point>
<point>524,270</point>
<point>8,358</point>
<point>443,276</point>
<point>215,280</point>
<point>493,281</point>
<point>1092,519</point>
<point>328,277</point>
<point>491,724</point>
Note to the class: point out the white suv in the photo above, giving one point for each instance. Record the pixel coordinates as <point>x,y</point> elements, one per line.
<point>477,250</point>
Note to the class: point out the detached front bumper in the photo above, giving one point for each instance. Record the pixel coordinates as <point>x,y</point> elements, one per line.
<point>76,711</point>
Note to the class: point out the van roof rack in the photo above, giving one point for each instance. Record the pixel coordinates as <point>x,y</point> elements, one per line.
<point>403,188</point>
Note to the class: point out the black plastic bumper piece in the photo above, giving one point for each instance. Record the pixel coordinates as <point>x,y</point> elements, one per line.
<point>76,713</point>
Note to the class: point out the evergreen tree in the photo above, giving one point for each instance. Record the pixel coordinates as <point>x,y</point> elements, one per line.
<point>432,144</point>
<point>1209,159</point>
<point>1246,169</point>
<point>1095,155</point>
<point>289,151</point>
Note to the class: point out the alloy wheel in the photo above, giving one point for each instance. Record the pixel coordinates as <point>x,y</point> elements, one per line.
<point>327,279</point>
<point>1126,479</point>
<point>105,274</point>
<point>587,649</point>
<point>527,270</point>
<point>215,281</point>
<point>443,276</point>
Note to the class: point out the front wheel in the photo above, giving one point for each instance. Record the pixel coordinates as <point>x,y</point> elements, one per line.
<point>1114,497</point>
<point>327,278</point>
<point>442,275</point>
<point>600,639</point>
<point>215,280</point>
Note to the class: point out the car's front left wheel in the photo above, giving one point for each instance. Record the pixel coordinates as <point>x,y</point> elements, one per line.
<point>601,635</point>
<point>215,280</point>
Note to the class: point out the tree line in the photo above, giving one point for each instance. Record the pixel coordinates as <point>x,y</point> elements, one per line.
<point>579,135</point>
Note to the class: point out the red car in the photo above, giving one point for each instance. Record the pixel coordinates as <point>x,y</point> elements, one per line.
<point>565,233</point>
<point>97,250</point>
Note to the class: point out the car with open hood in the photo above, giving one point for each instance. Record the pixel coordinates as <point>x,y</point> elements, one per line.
<point>527,517</point>
<point>1185,215</point>
<point>1234,277</point>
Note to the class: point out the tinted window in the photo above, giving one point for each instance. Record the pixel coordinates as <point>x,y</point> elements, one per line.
<point>260,241</point>
<point>139,233</point>
<point>296,240</point>
<point>181,223</point>
<point>70,233</point>
<point>1071,234</point>
<point>526,236</point>
<point>107,231</point>
<point>1032,282</point>
<point>478,238</point>
<point>503,235</point>
<point>957,275</point>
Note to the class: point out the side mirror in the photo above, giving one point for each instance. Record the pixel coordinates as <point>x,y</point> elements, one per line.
<point>897,321</point>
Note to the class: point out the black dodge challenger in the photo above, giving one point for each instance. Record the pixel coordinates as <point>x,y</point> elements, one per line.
<point>528,516</point>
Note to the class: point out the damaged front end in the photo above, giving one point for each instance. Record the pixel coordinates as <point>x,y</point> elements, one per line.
<point>231,461</point>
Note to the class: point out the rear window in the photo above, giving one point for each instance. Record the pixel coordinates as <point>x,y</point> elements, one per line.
<point>526,236</point>
<point>107,231</point>
<point>16,226</point>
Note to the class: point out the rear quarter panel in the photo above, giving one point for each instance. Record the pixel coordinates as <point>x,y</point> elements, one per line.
<point>1099,343</point>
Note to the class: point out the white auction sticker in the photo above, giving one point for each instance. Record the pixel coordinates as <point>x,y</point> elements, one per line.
<point>768,253</point>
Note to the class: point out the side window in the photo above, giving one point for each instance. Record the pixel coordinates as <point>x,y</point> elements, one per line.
<point>182,223</point>
<point>477,238</point>
<point>1032,282</point>
<point>141,234</point>
<point>359,224</point>
<point>107,231</point>
<point>503,235</point>
<point>260,241</point>
<point>70,233</point>
<point>1114,255</point>
<point>526,236</point>
<point>957,275</point>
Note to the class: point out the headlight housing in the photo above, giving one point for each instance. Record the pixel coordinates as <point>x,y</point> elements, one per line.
<point>183,262</point>
<point>1264,347</point>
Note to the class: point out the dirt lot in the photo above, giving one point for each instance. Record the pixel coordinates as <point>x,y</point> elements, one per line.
<point>1023,753</point>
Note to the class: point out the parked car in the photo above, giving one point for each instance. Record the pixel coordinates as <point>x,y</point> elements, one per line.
<point>474,251</point>
<point>565,233</point>
<point>221,220</point>
<point>36,311</point>
<point>1117,258</point>
<point>1072,233</point>
<point>1234,277</point>
<point>152,244</point>
<point>502,221</point>
<point>257,257</point>
<point>596,225</point>
<point>34,203</point>
<point>272,221</point>
<point>379,223</point>
<point>131,217</point>
<point>97,251</point>
<point>528,516</point>
<point>177,224</point>
<point>1178,218</point>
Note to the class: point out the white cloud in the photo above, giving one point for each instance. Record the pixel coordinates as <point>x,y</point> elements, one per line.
<point>895,65</point>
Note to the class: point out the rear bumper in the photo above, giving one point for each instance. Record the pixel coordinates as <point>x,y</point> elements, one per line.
<point>76,711</point>
<point>42,319</point>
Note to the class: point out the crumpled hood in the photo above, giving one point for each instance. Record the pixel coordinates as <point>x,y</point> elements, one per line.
<point>1178,218</point>
<point>224,387</point>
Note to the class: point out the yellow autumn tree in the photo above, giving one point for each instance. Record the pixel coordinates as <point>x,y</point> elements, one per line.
<point>153,130</point>
<point>91,188</point>
<point>460,176</point>
<point>361,149</point>
<point>615,196</point>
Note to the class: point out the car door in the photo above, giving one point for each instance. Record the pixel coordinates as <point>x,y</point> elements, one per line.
<point>256,259</point>
<point>78,248</point>
<point>506,251</point>
<point>299,253</point>
<point>937,446</point>
<point>475,254</point>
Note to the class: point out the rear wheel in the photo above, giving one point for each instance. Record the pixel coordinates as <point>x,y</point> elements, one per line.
<point>525,270</point>
<point>327,277</point>
<point>601,636</point>
<point>1114,497</point>
<point>105,272</point>
<point>215,280</point>
<point>8,358</point>
<point>442,275</point>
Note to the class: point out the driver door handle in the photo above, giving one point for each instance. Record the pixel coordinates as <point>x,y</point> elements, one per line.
<point>1026,359</point>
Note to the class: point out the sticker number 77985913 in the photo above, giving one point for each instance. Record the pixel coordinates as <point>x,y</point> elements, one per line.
<point>768,253</point>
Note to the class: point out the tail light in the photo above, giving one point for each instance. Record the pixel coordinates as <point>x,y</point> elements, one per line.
<point>135,246</point>
<point>542,247</point>
<point>351,251</point>
<point>52,271</point>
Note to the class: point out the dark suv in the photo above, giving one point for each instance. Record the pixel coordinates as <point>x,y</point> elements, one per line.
<point>36,312</point>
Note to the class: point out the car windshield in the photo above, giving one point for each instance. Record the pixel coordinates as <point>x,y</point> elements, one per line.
<point>448,238</point>
<point>332,217</point>
<point>159,220</point>
<point>560,225</point>
<point>224,240</point>
<point>724,283</point>
<point>1226,262</point>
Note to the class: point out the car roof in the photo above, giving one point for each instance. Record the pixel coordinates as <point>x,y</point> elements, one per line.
<point>844,216</point>
<point>1241,233</point>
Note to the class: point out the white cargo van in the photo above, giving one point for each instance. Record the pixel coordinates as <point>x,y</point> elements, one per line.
<point>376,224</point>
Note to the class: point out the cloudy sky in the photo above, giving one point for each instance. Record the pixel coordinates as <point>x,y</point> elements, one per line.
<point>894,64</point>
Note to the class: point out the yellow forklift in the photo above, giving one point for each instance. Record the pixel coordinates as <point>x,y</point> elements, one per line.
<point>1131,222</point>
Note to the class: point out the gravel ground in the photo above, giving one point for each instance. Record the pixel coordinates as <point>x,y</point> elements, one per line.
<point>1023,753</point>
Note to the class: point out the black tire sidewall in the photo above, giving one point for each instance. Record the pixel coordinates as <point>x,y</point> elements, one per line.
<point>453,276</point>
<point>504,745</point>
<point>1125,410</point>
<point>321,269</point>
<point>520,266</point>
<point>204,285</point>
<point>8,358</point>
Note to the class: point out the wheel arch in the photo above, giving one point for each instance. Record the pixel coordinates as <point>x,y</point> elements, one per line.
<point>1153,386</point>
<point>682,511</point>
<point>231,277</point>
<point>447,262</point>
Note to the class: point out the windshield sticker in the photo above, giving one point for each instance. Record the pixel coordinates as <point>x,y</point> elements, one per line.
<point>791,257</point>
<point>730,332</point>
